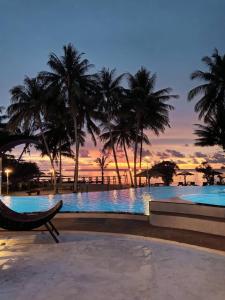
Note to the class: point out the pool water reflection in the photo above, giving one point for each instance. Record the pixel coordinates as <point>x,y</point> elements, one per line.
<point>127,200</point>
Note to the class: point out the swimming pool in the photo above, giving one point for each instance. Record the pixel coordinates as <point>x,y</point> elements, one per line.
<point>127,200</point>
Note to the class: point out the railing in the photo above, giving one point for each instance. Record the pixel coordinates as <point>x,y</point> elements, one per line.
<point>104,180</point>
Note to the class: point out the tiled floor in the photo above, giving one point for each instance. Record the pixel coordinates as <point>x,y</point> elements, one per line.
<point>104,266</point>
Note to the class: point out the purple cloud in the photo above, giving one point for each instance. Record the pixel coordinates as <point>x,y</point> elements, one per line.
<point>200,155</point>
<point>175,153</point>
<point>218,157</point>
<point>84,153</point>
<point>163,155</point>
<point>146,152</point>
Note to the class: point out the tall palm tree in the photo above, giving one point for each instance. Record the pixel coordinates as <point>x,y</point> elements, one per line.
<point>123,134</point>
<point>110,93</point>
<point>149,107</point>
<point>59,137</point>
<point>70,73</point>
<point>212,90</point>
<point>28,110</point>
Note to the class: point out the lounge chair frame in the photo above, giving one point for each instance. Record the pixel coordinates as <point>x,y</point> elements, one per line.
<point>11,220</point>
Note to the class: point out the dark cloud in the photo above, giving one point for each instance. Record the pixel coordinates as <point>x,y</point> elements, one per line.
<point>218,157</point>
<point>146,152</point>
<point>84,153</point>
<point>171,141</point>
<point>179,161</point>
<point>200,155</point>
<point>163,155</point>
<point>175,153</point>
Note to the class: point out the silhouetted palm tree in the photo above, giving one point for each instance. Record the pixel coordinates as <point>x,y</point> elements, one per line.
<point>2,116</point>
<point>212,91</point>
<point>149,107</point>
<point>28,110</point>
<point>103,163</point>
<point>213,132</point>
<point>70,73</point>
<point>123,134</point>
<point>110,93</point>
<point>59,136</point>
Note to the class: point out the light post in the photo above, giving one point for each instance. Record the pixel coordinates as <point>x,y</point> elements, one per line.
<point>7,172</point>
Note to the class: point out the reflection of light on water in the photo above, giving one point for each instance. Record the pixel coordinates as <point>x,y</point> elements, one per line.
<point>132,194</point>
<point>132,199</point>
<point>115,196</point>
<point>147,198</point>
<point>79,200</point>
<point>51,197</point>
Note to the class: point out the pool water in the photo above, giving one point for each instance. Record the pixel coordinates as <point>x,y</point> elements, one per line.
<point>127,200</point>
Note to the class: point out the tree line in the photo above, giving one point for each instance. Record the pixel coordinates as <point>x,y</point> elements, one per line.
<point>61,105</point>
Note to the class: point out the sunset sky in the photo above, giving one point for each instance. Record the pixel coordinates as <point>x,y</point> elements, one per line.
<point>167,37</point>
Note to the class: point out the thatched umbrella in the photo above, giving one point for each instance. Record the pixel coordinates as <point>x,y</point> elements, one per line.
<point>148,174</point>
<point>216,173</point>
<point>185,174</point>
<point>221,177</point>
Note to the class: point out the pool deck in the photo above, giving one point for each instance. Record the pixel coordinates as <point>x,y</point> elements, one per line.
<point>135,225</point>
<point>103,266</point>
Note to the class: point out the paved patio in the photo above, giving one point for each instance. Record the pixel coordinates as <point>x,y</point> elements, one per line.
<point>107,266</point>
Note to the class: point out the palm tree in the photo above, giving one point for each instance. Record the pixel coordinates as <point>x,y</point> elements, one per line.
<point>149,107</point>
<point>213,132</point>
<point>123,135</point>
<point>212,91</point>
<point>28,110</point>
<point>59,137</point>
<point>70,73</point>
<point>110,94</point>
<point>2,116</point>
<point>103,163</point>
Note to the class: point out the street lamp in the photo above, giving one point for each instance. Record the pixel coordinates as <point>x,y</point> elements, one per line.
<point>7,172</point>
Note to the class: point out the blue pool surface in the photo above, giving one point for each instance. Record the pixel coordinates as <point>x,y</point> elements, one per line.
<point>127,200</point>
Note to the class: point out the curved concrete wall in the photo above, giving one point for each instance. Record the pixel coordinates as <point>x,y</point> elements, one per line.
<point>201,218</point>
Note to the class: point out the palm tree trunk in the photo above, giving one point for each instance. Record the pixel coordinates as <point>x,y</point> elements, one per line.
<point>114,154</point>
<point>76,167</point>
<point>128,164</point>
<point>76,171</point>
<point>141,148</point>
<point>135,153</point>
<point>49,153</point>
<point>75,187</point>
<point>116,163</point>
<point>22,153</point>
<point>135,160</point>
<point>60,167</point>
<point>102,170</point>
